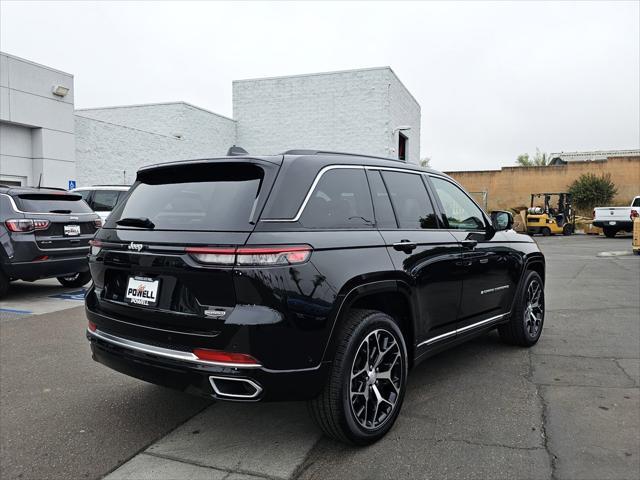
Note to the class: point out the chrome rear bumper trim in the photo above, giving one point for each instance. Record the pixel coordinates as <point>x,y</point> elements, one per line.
<point>161,352</point>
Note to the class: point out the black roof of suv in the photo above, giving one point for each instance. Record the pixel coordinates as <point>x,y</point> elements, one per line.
<point>308,275</point>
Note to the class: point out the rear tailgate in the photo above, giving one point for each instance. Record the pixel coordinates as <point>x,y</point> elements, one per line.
<point>145,276</point>
<point>71,222</point>
<point>612,214</point>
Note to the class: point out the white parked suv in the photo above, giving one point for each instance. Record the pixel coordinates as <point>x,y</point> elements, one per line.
<point>102,198</point>
<point>615,219</point>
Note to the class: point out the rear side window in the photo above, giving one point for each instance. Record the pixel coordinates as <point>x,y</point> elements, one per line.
<point>340,200</point>
<point>410,200</point>
<point>105,200</point>
<point>381,202</point>
<point>636,202</point>
<point>52,203</point>
<point>208,197</point>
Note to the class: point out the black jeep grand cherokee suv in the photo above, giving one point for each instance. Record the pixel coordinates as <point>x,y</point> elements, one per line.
<point>308,275</point>
<point>44,233</point>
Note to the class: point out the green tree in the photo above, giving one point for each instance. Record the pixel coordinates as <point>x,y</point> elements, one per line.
<point>590,191</point>
<point>540,159</point>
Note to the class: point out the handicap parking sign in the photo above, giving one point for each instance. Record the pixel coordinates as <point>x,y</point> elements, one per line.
<point>72,184</point>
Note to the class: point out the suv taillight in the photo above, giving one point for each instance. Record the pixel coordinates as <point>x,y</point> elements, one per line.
<point>26,225</point>
<point>255,256</point>
<point>634,214</point>
<point>96,246</point>
<point>593,215</point>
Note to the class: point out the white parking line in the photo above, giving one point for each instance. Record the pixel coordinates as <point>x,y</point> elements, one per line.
<point>231,441</point>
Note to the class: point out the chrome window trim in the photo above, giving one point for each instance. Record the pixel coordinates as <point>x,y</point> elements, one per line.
<point>481,323</point>
<point>311,190</point>
<point>17,210</point>
<point>168,353</point>
<point>335,167</point>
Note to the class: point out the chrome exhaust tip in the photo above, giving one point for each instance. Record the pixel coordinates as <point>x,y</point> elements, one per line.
<point>235,388</point>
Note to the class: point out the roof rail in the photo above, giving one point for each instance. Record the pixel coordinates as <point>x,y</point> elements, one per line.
<point>327,152</point>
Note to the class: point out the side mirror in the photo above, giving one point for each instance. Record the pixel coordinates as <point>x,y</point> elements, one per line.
<point>502,220</point>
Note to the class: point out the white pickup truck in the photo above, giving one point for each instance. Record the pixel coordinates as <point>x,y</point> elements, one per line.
<point>614,219</point>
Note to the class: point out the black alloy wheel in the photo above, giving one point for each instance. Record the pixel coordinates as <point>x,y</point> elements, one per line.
<point>366,385</point>
<point>525,325</point>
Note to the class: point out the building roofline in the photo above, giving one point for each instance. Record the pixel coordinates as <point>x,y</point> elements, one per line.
<point>154,104</point>
<point>76,114</point>
<point>46,67</point>
<point>587,153</point>
<point>333,72</point>
<point>406,89</point>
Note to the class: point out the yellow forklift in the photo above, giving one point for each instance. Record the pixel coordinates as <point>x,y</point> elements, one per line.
<point>546,219</point>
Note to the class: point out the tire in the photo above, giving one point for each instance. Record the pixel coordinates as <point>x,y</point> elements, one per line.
<point>362,422</point>
<point>610,232</point>
<point>76,280</point>
<point>567,229</point>
<point>545,231</point>
<point>522,329</point>
<point>4,284</point>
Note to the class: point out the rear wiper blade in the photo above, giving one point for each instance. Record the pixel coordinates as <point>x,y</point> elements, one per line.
<point>142,222</point>
<point>59,211</point>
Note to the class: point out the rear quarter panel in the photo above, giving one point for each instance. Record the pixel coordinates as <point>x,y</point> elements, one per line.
<point>313,292</point>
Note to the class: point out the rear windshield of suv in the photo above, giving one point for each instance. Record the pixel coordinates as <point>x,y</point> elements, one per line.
<point>208,197</point>
<point>52,203</point>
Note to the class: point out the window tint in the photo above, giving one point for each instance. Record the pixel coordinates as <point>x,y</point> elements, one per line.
<point>460,211</point>
<point>636,202</point>
<point>381,202</point>
<point>105,200</point>
<point>84,194</point>
<point>52,203</point>
<point>410,200</point>
<point>218,197</point>
<point>340,200</point>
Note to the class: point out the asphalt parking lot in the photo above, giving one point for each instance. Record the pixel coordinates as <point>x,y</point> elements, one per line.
<point>568,408</point>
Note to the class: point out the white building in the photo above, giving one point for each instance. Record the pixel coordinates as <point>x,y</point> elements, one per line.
<point>36,124</point>
<point>360,111</point>
<point>365,111</point>
<point>112,143</point>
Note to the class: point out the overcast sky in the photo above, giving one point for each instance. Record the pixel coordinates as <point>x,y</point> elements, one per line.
<point>494,79</point>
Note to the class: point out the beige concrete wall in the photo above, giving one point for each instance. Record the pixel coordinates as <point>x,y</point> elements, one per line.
<point>511,187</point>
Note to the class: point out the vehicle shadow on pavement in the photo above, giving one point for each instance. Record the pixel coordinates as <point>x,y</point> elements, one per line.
<point>469,411</point>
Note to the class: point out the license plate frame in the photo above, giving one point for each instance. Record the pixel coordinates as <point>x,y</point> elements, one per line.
<point>142,291</point>
<point>71,230</point>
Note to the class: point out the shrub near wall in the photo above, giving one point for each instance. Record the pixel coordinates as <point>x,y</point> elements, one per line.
<point>512,187</point>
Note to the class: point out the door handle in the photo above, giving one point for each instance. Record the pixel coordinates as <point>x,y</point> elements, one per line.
<point>469,244</point>
<point>406,246</point>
